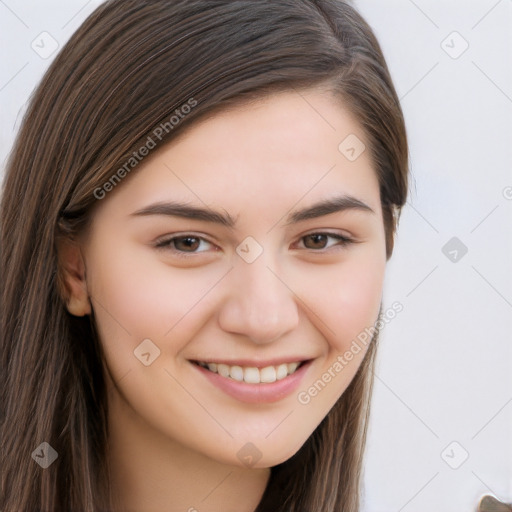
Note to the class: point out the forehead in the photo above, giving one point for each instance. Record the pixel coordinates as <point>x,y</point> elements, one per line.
<point>270,152</point>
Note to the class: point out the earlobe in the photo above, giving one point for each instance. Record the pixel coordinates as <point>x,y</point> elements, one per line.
<point>71,277</point>
<point>78,307</point>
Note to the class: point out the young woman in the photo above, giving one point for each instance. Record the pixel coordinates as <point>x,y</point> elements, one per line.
<point>195,223</point>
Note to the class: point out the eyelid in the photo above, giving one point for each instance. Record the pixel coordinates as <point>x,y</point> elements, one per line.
<point>328,231</point>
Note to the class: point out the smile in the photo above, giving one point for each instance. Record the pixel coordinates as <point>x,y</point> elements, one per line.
<point>252,374</point>
<point>251,383</point>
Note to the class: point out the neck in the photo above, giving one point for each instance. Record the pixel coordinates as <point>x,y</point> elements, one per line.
<point>150,472</point>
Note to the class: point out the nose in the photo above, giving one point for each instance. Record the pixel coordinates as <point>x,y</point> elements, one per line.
<point>259,305</point>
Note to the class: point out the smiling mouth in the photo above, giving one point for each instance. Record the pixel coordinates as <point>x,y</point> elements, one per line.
<point>251,374</point>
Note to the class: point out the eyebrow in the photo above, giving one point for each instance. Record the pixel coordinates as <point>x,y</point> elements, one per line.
<point>187,211</point>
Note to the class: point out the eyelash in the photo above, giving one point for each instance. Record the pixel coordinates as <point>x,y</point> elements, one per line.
<point>166,244</point>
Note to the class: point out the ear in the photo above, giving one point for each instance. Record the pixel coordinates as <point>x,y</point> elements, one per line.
<point>71,277</point>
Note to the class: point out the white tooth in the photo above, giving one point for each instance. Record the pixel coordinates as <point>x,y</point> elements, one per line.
<point>223,369</point>
<point>292,367</point>
<point>268,374</point>
<point>237,373</point>
<point>252,375</point>
<point>282,371</point>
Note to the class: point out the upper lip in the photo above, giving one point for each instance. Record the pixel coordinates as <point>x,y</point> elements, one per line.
<point>255,363</point>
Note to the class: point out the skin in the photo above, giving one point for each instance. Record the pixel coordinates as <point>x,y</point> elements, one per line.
<point>175,436</point>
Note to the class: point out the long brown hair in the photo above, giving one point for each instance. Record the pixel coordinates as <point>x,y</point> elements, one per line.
<point>129,67</point>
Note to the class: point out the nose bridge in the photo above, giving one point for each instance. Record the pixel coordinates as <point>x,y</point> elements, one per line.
<point>259,306</point>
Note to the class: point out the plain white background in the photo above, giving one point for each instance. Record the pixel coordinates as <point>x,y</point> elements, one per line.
<point>441,428</point>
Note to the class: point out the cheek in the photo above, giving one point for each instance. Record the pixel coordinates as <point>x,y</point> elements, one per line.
<point>136,296</point>
<point>344,304</point>
<point>344,300</point>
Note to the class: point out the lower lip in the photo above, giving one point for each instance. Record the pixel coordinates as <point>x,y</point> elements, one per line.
<point>266,392</point>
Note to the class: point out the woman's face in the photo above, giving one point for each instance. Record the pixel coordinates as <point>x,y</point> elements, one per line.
<point>227,247</point>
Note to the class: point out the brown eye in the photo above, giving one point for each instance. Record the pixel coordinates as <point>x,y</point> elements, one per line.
<point>186,243</point>
<point>319,241</point>
<point>315,241</point>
